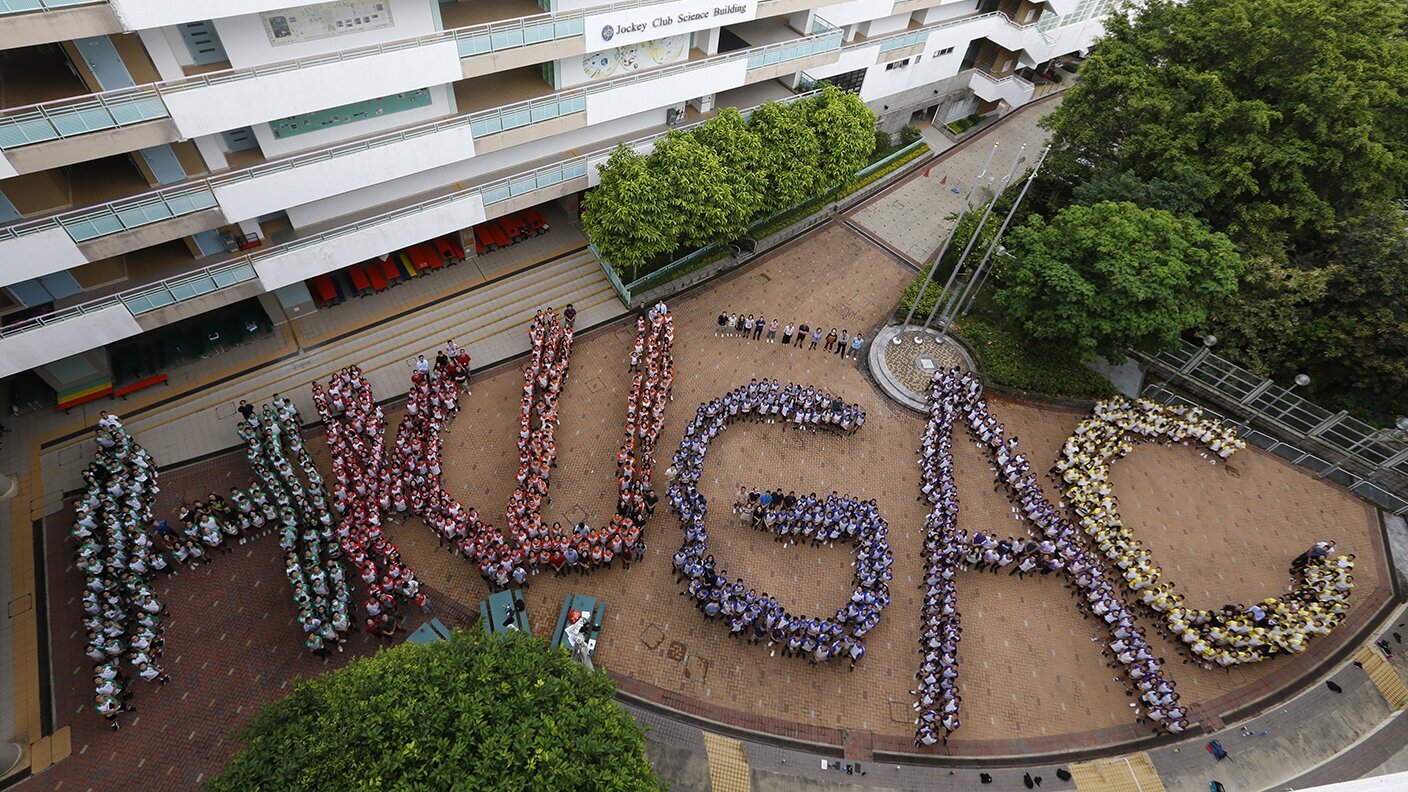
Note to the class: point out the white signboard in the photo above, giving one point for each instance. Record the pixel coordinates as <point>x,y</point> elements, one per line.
<point>324,20</point>
<point>634,25</point>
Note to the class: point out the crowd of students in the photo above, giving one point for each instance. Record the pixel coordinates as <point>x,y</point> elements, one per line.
<point>287,494</point>
<point>759,616</point>
<point>115,551</point>
<point>748,328</point>
<point>1233,635</point>
<point>362,494</point>
<point>957,397</point>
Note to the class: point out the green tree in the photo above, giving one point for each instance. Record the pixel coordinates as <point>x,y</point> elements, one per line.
<point>624,215</point>
<point>694,188</point>
<point>1105,277</point>
<point>1281,115</point>
<point>789,157</point>
<point>738,150</point>
<point>845,132</point>
<point>471,713</point>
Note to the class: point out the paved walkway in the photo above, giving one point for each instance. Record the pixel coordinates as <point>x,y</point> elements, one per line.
<point>913,218</point>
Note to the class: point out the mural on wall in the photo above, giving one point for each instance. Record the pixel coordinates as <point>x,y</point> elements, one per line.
<point>325,20</point>
<point>634,57</point>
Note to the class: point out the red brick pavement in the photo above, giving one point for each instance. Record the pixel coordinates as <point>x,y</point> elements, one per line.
<point>1033,680</point>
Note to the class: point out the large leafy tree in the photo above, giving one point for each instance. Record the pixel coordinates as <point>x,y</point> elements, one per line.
<point>1278,116</point>
<point>1111,276</point>
<point>789,156</point>
<point>738,149</point>
<point>471,713</point>
<point>695,188</point>
<point>845,133</point>
<point>624,215</point>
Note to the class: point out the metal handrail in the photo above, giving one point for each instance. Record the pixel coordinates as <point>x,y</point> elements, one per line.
<point>118,212</point>
<point>24,123</point>
<point>24,6</point>
<point>896,40</point>
<point>493,192</point>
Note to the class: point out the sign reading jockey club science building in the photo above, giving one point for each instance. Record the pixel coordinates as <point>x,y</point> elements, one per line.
<point>634,25</point>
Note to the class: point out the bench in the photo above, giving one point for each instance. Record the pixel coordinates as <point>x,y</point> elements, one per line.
<point>514,226</point>
<point>429,633</point>
<point>390,270</point>
<point>432,256</point>
<point>591,608</point>
<point>497,234</point>
<point>495,611</point>
<point>536,221</point>
<point>484,240</point>
<point>133,387</point>
<point>449,250</point>
<point>328,292</point>
<point>373,270</point>
<point>92,393</point>
<point>359,278</point>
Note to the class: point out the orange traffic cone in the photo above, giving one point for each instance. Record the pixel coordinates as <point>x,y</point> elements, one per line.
<point>944,180</point>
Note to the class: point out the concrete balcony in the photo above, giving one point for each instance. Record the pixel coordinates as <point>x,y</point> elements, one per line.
<point>114,227</point>
<point>1011,89</point>
<point>27,22</point>
<point>94,323</point>
<point>145,14</point>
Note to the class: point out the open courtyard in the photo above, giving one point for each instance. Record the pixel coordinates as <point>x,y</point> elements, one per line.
<point>1034,679</point>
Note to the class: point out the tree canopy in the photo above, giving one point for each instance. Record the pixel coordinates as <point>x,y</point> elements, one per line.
<point>474,713</point>
<point>1278,116</point>
<point>1280,123</point>
<point>711,183</point>
<point>1107,277</point>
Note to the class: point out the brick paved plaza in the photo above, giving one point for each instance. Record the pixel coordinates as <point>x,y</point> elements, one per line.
<point>1033,680</point>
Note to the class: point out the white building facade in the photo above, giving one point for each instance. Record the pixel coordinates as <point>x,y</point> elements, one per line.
<point>161,160</point>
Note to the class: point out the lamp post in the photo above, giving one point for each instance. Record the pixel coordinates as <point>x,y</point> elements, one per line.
<point>1209,341</point>
<point>929,277</point>
<point>1300,381</point>
<point>953,300</point>
<point>1399,431</point>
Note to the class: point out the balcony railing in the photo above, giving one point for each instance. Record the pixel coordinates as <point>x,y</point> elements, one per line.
<point>80,115</point>
<point>21,6</point>
<point>142,299</point>
<point>67,117</point>
<point>908,38</point>
<point>191,197</point>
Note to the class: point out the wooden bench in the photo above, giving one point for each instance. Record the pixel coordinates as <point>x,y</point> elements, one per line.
<point>495,612</point>
<point>592,608</point>
<point>133,387</point>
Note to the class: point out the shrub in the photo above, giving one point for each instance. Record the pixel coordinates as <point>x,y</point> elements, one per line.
<point>473,712</point>
<point>883,141</point>
<point>910,134</point>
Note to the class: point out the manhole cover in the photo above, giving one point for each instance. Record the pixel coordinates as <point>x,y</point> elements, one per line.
<point>926,363</point>
<point>676,651</point>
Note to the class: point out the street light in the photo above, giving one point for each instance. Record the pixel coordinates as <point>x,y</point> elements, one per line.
<point>1300,381</point>
<point>1399,431</point>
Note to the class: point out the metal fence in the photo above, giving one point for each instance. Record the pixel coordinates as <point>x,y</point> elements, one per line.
<point>1370,461</point>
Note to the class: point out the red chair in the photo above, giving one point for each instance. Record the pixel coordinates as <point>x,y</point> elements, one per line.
<point>418,258</point>
<point>536,221</point>
<point>359,278</point>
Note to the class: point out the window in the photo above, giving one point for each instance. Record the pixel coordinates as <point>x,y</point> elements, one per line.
<point>850,82</point>
<point>943,52</point>
<point>899,64</point>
